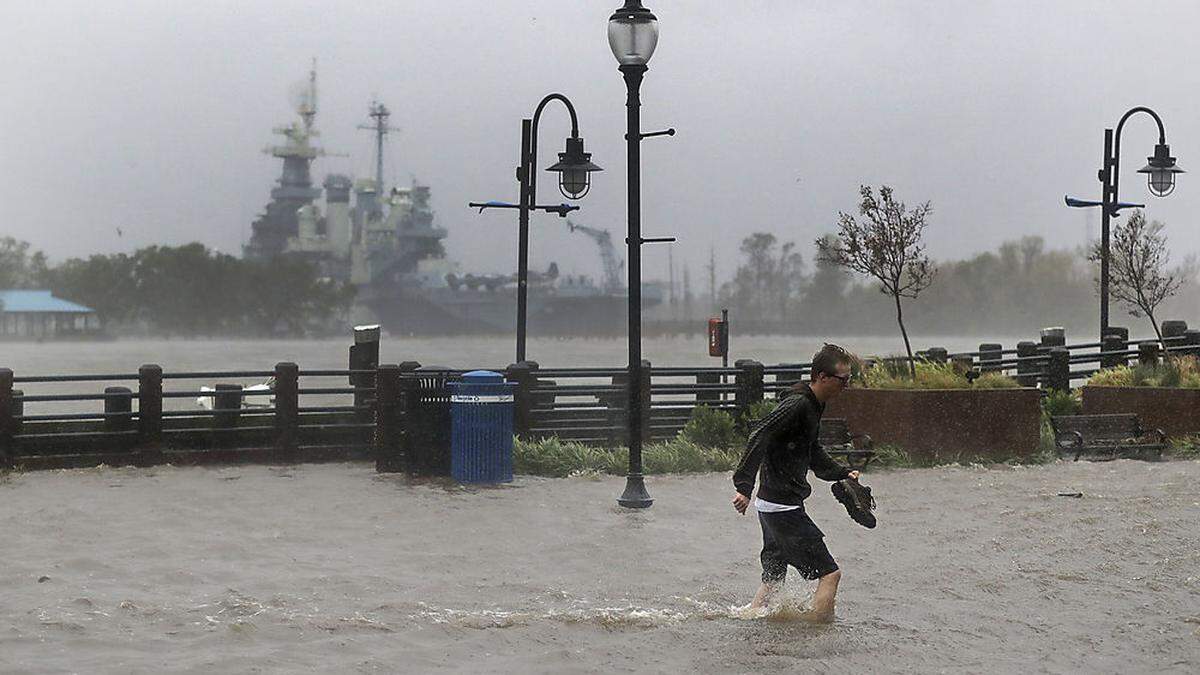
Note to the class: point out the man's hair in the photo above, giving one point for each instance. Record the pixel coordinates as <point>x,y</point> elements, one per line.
<point>827,360</point>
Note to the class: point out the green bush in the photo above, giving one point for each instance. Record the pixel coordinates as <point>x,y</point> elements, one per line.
<point>710,427</point>
<point>558,459</point>
<point>1061,403</point>
<point>1185,447</point>
<point>754,412</point>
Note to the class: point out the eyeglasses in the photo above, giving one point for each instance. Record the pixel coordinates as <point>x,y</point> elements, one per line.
<point>844,379</point>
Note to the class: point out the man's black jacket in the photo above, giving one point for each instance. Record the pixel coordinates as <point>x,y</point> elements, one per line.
<point>785,444</point>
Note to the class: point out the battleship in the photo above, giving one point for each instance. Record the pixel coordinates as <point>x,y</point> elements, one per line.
<point>387,245</point>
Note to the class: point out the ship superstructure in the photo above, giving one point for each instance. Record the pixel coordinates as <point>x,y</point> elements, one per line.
<point>387,245</point>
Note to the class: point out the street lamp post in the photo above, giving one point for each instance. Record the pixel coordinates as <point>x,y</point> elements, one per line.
<point>1160,173</point>
<point>574,168</point>
<point>632,35</point>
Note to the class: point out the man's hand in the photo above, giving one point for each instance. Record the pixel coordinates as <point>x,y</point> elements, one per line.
<point>854,475</point>
<point>741,502</point>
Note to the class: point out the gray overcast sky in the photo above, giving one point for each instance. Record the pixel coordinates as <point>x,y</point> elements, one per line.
<point>151,116</point>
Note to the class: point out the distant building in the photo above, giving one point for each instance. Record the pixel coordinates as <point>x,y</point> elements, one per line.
<point>38,314</point>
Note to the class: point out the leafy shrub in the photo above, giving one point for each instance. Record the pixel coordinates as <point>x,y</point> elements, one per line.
<point>1185,447</point>
<point>1061,403</point>
<point>710,427</point>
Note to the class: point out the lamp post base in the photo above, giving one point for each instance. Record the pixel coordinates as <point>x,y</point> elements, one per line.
<point>635,495</point>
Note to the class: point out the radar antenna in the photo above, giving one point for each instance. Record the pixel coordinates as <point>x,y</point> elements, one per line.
<point>380,114</point>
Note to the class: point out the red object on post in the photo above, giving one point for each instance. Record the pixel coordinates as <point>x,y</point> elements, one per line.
<point>718,337</point>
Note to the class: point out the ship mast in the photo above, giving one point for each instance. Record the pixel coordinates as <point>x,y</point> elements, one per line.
<point>380,114</point>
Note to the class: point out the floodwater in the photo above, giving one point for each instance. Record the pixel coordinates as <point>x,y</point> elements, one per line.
<point>333,568</point>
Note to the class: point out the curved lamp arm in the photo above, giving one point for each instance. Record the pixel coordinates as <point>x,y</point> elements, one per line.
<point>1116,168</point>
<point>537,116</point>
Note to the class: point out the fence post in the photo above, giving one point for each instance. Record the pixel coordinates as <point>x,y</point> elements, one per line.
<point>389,420</point>
<point>150,418</point>
<point>364,355</point>
<point>227,405</point>
<point>1112,349</point>
<point>1059,377</point>
<point>287,411</point>
<point>749,382</point>
<point>6,417</point>
<point>708,397</point>
<point>118,409</point>
<point>989,354</point>
<point>1191,341</point>
<point>1173,334</point>
<point>1148,354</point>
<point>521,374</point>
<point>937,355</point>
<point>1027,368</point>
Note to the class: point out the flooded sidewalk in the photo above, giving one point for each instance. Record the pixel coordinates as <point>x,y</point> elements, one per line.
<point>334,568</point>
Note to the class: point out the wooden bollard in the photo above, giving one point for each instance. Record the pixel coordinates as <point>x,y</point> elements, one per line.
<point>227,405</point>
<point>150,418</point>
<point>708,397</point>
<point>1112,351</point>
<point>118,409</point>
<point>287,411</point>
<point>389,420</point>
<point>1173,336</point>
<point>749,383</point>
<point>938,355</point>
<point>1059,369</point>
<point>522,375</point>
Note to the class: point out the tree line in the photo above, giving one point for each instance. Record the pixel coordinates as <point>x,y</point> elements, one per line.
<point>865,278</point>
<point>187,290</point>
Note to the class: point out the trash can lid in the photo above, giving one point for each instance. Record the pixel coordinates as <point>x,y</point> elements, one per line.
<point>482,377</point>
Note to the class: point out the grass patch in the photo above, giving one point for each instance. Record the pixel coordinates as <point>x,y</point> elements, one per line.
<point>893,373</point>
<point>1175,371</point>
<point>1185,447</point>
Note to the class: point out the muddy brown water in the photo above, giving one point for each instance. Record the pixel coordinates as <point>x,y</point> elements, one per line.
<point>334,568</point>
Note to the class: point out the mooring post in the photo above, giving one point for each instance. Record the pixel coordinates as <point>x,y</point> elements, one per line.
<point>1173,331</point>
<point>6,417</point>
<point>706,397</point>
<point>1191,342</point>
<point>938,355</point>
<point>1059,378</point>
<point>389,420</point>
<point>150,417</point>
<point>287,411</point>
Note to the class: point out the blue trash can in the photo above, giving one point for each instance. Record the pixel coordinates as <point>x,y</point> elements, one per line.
<point>481,428</point>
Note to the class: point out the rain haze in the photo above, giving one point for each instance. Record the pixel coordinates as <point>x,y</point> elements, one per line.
<point>150,117</point>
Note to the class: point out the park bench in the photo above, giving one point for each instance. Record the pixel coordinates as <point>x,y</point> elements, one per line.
<point>1107,436</point>
<point>835,438</point>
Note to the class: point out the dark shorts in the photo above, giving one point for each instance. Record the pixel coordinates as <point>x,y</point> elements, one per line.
<point>791,538</point>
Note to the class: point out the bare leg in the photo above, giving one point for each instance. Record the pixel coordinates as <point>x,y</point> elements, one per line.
<point>822,609</point>
<point>765,593</point>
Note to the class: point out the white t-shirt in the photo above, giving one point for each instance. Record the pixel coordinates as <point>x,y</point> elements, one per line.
<point>765,506</point>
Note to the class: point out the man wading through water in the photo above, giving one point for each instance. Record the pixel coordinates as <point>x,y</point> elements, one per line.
<point>785,444</point>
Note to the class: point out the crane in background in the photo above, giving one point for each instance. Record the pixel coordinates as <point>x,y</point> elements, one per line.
<point>608,256</point>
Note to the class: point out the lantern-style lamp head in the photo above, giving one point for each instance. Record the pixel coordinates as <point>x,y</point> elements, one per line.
<point>574,169</point>
<point>1160,171</point>
<point>632,34</point>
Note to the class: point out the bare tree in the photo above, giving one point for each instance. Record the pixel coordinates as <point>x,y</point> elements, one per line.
<point>1137,268</point>
<point>886,246</point>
